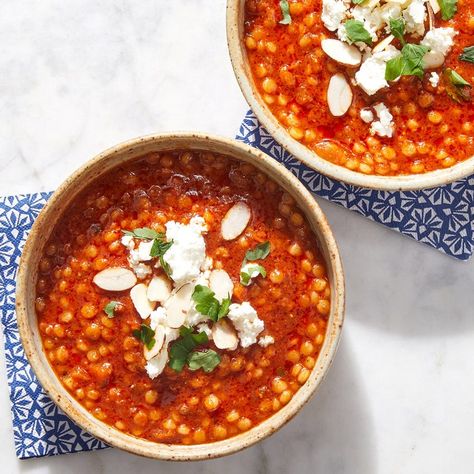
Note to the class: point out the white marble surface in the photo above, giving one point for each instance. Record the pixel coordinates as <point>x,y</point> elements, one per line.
<point>79,76</point>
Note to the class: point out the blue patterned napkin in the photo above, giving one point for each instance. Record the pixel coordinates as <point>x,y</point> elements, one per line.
<point>40,428</point>
<point>440,217</point>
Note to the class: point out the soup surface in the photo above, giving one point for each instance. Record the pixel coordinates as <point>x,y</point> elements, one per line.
<point>183,298</point>
<point>378,87</point>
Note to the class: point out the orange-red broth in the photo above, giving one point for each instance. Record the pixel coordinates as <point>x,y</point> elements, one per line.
<point>99,361</point>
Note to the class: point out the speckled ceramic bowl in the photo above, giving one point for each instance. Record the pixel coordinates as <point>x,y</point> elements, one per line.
<point>240,63</point>
<point>28,272</point>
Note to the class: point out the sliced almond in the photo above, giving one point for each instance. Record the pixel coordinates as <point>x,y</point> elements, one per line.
<point>431,16</point>
<point>235,221</point>
<point>158,363</point>
<point>380,46</point>
<point>434,6</point>
<point>432,60</point>
<point>159,339</point>
<point>221,284</point>
<point>115,279</point>
<point>178,304</point>
<point>224,336</point>
<point>159,289</point>
<point>339,95</point>
<point>341,52</point>
<point>140,300</point>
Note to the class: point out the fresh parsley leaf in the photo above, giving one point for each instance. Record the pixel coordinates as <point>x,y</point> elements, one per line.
<point>208,304</point>
<point>109,308</point>
<point>146,335</point>
<point>408,63</point>
<point>224,309</point>
<point>358,2</point>
<point>206,360</point>
<point>397,28</point>
<point>448,8</point>
<point>182,348</point>
<point>144,233</point>
<point>285,11</point>
<point>165,266</point>
<point>249,271</point>
<point>356,32</point>
<point>468,54</point>
<point>160,247</point>
<point>260,251</point>
<point>456,86</point>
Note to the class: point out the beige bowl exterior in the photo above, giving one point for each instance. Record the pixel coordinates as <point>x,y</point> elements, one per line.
<point>240,63</point>
<point>52,212</point>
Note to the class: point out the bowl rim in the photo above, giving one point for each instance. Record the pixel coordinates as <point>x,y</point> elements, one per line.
<point>27,319</point>
<point>411,182</point>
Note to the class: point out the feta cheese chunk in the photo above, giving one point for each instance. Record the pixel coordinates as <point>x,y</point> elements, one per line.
<point>127,241</point>
<point>366,115</point>
<point>203,327</point>
<point>371,18</point>
<point>434,79</point>
<point>334,11</point>
<point>187,255</point>
<point>414,17</point>
<point>265,341</point>
<point>384,126</point>
<point>439,40</point>
<point>246,322</point>
<point>371,75</point>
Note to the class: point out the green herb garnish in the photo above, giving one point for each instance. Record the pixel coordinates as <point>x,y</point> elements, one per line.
<point>146,335</point>
<point>260,251</point>
<point>397,28</point>
<point>208,304</point>
<point>356,32</point>
<point>158,249</point>
<point>181,350</point>
<point>249,271</point>
<point>408,63</point>
<point>206,360</point>
<point>109,308</point>
<point>448,8</point>
<point>467,54</point>
<point>456,86</point>
<point>285,11</point>
<point>358,2</point>
<point>144,233</point>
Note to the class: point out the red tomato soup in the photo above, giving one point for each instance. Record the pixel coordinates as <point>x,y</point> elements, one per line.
<point>183,298</point>
<point>378,87</point>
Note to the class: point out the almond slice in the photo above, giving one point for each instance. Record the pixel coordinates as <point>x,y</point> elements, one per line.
<point>178,304</point>
<point>434,6</point>
<point>339,95</point>
<point>235,221</point>
<point>433,59</point>
<point>341,52</point>
<point>159,339</point>
<point>224,336</point>
<point>431,16</point>
<point>139,299</point>
<point>159,289</point>
<point>221,284</point>
<point>115,279</point>
<point>380,46</point>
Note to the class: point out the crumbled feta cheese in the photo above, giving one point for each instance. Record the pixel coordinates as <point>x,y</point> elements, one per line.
<point>434,79</point>
<point>371,75</point>
<point>144,249</point>
<point>266,341</point>
<point>246,322</point>
<point>203,327</point>
<point>439,40</point>
<point>371,18</point>
<point>127,241</point>
<point>157,317</point>
<point>384,126</point>
<point>141,270</point>
<point>390,11</point>
<point>334,11</point>
<point>414,17</point>
<point>137,256</point>
<point>366,115</point>
<point>249,268</point>
<point>187,255</point>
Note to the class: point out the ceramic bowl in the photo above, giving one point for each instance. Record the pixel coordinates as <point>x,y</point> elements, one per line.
<point>52,212</point>
<point>240,63</point>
